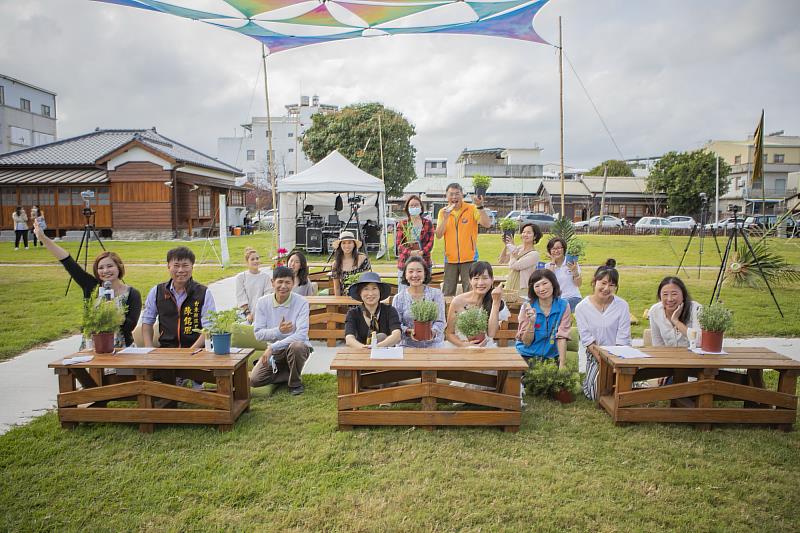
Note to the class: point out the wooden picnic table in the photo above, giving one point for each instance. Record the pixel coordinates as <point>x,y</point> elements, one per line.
<point>499,394</point>
<point>151,383</point>
<point>693,401</point>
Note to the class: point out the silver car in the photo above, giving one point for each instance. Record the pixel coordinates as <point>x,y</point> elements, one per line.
<point>681,222</point>
<point>608,222</point>
<point>651,224</point>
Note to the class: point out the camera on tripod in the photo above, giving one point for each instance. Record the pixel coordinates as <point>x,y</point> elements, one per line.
<point>703,198</point>
<point>87,195</point>
<point>733,208</point>
<point>355,200</point>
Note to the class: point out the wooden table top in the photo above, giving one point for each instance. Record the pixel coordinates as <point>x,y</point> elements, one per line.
<point>160,358</point>
<point>331,300</point>
<point>672,357</point>
<point>433,359</point>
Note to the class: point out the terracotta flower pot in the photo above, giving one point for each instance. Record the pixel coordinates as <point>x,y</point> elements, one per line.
<point>564,396</point>
<point>422,331</point>
<point>479,338</point>
<point>711,341</point>
<point>103,342</point>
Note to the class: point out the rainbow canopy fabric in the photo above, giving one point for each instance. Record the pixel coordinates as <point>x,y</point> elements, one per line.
<point>286,24</point>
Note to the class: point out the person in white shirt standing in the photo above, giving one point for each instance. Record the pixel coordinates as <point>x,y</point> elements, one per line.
<point>281,318</point>
<point>604,319</point>
<point>568,273</point>
<point>251,284</point>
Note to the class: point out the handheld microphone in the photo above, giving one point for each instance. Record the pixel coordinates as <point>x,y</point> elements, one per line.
<point>107,291</point>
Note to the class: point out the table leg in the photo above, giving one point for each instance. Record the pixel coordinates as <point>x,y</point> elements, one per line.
<point>428,402</point>
<point>241,385</point>
<point>706,401</point>
<point>512,387</point>
<point>66,383</point>
<point>623,382</point>
<point>331,324</point>
<point>787,383</point>
<point>345,382</point>
<point>145,400</point>
<point>225,387</point>
<point>680,375</point>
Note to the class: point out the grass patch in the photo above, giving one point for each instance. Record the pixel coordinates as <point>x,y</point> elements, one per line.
<point>285,467</point>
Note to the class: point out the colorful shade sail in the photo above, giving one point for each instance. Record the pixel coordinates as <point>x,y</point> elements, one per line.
<point>286,24</point>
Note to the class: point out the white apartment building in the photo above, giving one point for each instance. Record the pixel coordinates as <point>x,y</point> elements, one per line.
<point>27,115</point>
<point>435,167</point>
<point>500,163</point>
<point>249,152</point>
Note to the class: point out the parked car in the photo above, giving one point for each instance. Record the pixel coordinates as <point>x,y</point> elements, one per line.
<point>760,222</point>
<point>514,215</point>
<point>264,220</point>
<point>651,224</point>
<point>681,222</point>
<point>543,220</point>
<point>493,217</point>
<point>608,222</point>
<point>724,224</point>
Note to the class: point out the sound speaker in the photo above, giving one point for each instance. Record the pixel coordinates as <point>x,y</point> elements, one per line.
<point>300,235</point>
<point>314,240</point>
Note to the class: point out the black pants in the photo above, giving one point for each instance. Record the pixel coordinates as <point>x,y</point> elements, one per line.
<point>35,239</point>
<point>20,234</point>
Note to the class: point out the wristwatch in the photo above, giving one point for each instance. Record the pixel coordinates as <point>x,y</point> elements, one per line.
<point>480,207</point>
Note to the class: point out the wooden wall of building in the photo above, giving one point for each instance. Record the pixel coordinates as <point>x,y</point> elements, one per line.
<point>139,198</point>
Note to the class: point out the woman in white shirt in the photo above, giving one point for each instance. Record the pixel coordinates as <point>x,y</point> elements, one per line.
<point>567,273</point>
<point>522,260</point>
<point>674,314</point>
<point>251,284</point>
<point>604,319</point>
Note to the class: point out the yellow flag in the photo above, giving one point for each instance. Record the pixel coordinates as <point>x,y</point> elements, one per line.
<point>758,154</point>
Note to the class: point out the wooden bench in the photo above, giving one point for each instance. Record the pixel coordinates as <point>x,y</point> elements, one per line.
<point>498,393</point>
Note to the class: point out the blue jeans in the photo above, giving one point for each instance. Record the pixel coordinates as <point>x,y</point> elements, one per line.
<point>573,302</point>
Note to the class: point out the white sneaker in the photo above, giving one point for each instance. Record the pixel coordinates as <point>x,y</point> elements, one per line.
<point>26,247</point>
<point>16,249</point>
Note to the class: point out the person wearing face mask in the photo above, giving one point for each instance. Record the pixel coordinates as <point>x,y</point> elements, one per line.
<point>604,319</point>
<point>416,277</point>
<point>107,267</point>
<point>414,237</point>
<point>544,323</point>
<point>251,284</point>
<point>282,319</point>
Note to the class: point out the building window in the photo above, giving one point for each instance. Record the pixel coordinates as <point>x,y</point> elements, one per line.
<point>737,160</point>
<point>103,195</point>
<point>777,158</point>
<point>204,203</point>
<point>20,136</point>
<point>291,134</point>
<point>251,155</point>
<point>433,165</point>
<point>42,138</point>
<point>2,95</point>
<point>24,104</point>
<point>269,134</point>
<point>251,176</point>
<point>291,150</point>
<point>45,110</point>
<point>8,196</point>
<point>765,159</point>
<point>291,172</point>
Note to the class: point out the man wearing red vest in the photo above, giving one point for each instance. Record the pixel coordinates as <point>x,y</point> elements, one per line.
<point>458,224</point>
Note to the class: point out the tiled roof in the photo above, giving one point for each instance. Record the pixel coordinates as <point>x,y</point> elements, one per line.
<point>59,176</point>
<point>86,149</point>
<point>616,184</point>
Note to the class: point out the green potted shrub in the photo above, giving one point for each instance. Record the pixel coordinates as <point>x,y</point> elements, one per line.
<point>220,329</point>
<point>509,227</point>
<point>481,184</point>
<point>576,249</point>
<point>714,320</point>
<point>101,322</point>
<point>546,379</point>
<point>424,312</point>
<point>473,323</point>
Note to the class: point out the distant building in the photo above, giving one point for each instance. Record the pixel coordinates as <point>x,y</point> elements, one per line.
<point>144,185</point>
<point>27,115</point>
<point>500,163</point>
<point>781,156</point>
<point>553,171</point>
<point>249,152</point>
<point>435,167</point>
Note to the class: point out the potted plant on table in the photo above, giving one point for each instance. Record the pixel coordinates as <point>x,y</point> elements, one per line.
<point>714,320</point>
<point>509,227</point>
<point>481,184</point>
<point>220,329</point>
<point>102,321</point>
<point>424,312</point>
<point>473,324</point>
<point>546,379</point>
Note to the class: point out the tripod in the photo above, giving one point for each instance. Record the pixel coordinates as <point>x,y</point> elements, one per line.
<point>210,242</point>
<point>702,232</point>
<point>355,203</point>
<point>88,233</point>
<point>734,241</point>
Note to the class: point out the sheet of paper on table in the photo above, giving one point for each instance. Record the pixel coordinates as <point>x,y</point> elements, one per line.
<point>700,351</point>
<point>133,350</point>
<point>625,352</point>
<point>395,352</point>
<point>77,359</point>
<point>236,350</point>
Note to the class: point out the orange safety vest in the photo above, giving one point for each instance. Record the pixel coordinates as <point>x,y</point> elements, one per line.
<point>461,235</point>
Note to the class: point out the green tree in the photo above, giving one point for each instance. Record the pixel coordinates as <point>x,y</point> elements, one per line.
<point>684,175</point>
<point>354,132</point>
<point>615,168</point>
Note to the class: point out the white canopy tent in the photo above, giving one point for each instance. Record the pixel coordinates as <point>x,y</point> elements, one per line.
<point>319,185</point>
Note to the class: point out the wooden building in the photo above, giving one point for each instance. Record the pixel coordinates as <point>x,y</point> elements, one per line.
<point>145,185</point>
<point>624,198</point>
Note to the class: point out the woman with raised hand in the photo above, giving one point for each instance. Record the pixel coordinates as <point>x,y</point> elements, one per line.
<point>568,273</point>
<point>604,319</point>
<point>544,321</point>
<point>372,322</point>
<point>414,237</point>
<point>251,284</point>
<point>107,268</point>
<point>673,314</point>
<point>347,260</point>
<point>481,279</point>
<point>522,260</point>
<point>299,265</point>
<point>416,277</point>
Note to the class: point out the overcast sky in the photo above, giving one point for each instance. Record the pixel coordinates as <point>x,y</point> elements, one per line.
<point>665,75</point>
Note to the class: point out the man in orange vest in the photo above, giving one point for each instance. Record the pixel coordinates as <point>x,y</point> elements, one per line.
<point>458,224</point>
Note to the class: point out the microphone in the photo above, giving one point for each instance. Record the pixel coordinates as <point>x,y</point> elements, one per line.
<point>107,291</point>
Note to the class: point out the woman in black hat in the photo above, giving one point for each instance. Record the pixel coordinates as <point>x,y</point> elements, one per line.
<point>372,319</point>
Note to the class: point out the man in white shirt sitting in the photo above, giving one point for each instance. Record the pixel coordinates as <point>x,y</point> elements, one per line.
<point>281,319</point>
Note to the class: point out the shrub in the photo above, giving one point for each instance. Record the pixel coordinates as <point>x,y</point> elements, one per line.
<point>545,378</point>
<point>479,180</point>
<point>222,321</point>
<point>105,317</point>
<point>473,322</point>
<point>508,224</point>
<point>576,247</point>
<point>715,317</point>
<point>424,311</point>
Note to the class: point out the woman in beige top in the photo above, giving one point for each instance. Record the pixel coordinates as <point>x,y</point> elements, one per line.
<point>523,258</point>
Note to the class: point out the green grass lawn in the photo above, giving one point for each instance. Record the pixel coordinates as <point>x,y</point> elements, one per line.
<point>286,467</point>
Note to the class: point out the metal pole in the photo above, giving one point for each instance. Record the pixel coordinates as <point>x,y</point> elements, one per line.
<point>603,201</point>
<point>716,204</point>
<point>270,162</point>
<point>380,141</point>
<point>561,109</point>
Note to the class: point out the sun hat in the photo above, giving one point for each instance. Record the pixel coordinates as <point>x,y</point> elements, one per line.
<point>369,277</point>
<point>346,236</point>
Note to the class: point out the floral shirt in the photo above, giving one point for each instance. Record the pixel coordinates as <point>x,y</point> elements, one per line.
<point>342,276</point>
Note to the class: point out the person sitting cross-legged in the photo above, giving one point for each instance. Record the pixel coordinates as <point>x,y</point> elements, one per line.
<point>282,319</point>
